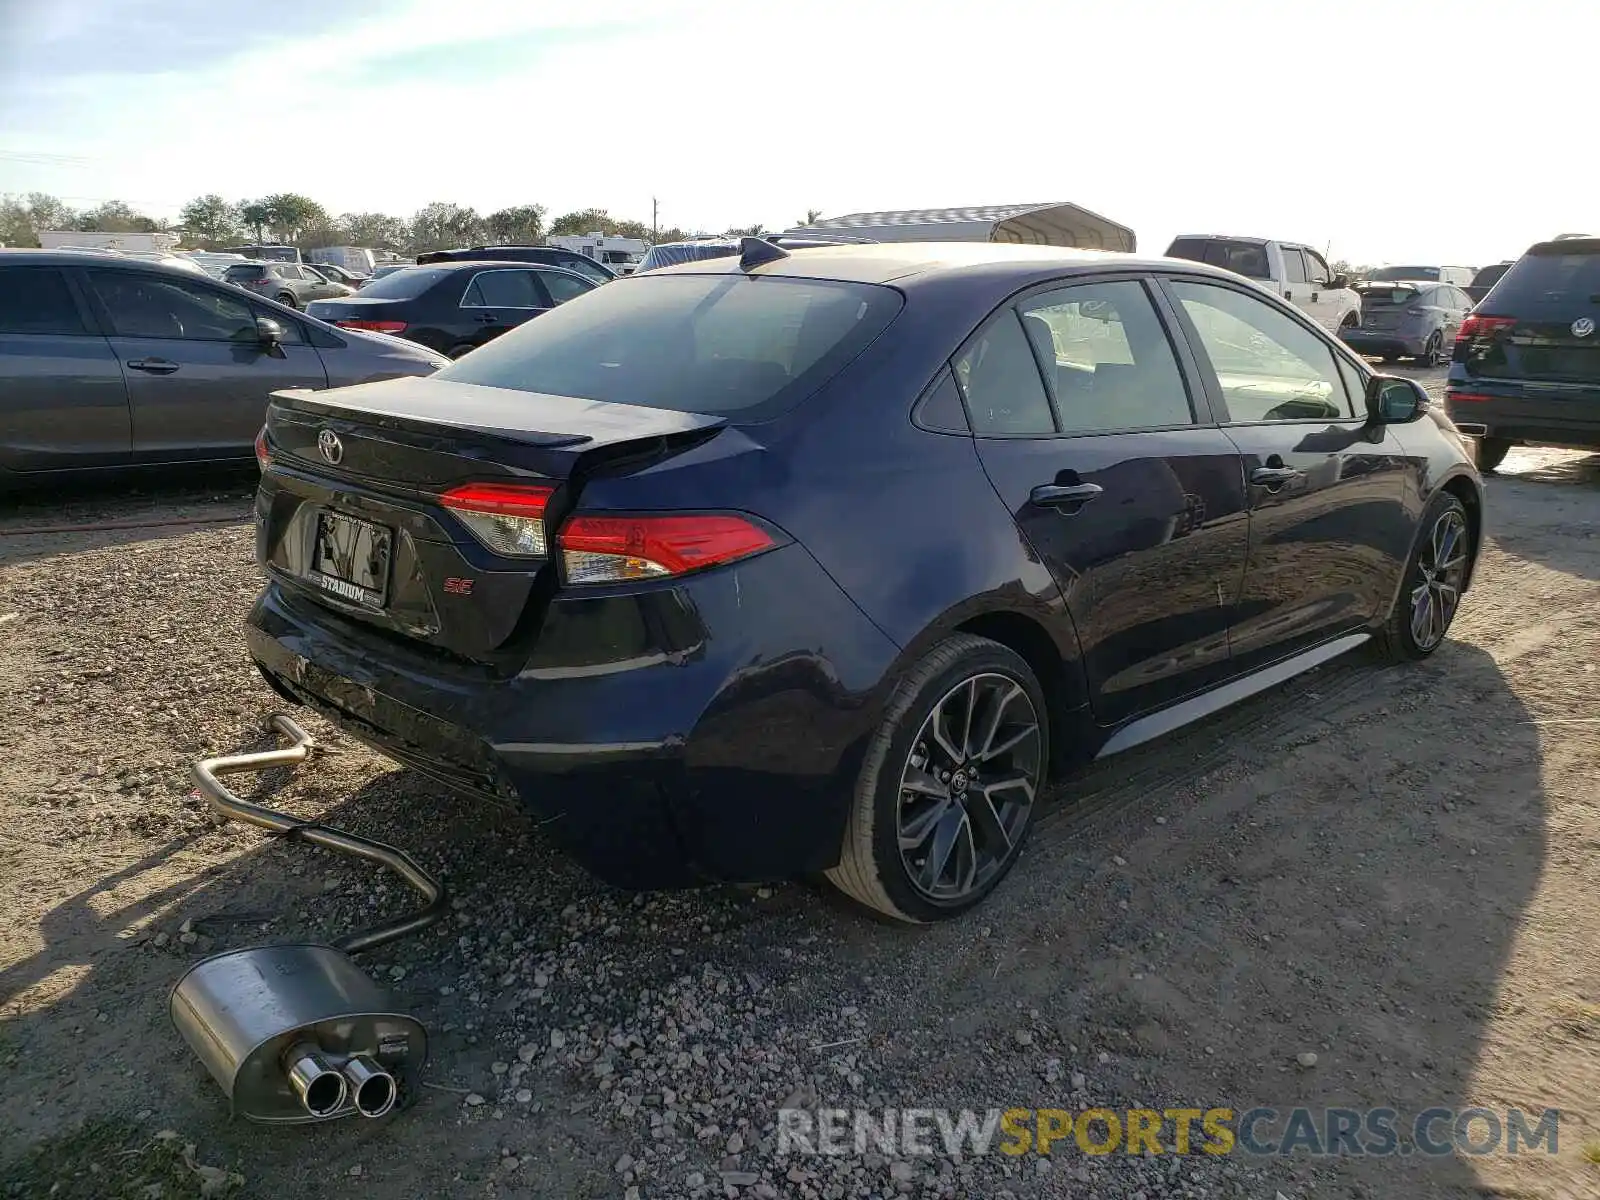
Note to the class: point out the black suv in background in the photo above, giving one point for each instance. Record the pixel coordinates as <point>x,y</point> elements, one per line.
<point>1486,278</point>
<point>549,256</point>
<point>1526,366</point>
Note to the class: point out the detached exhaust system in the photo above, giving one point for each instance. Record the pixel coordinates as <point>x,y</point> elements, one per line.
<point>298,1033</point>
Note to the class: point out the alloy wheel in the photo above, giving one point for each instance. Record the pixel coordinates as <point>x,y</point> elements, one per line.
<point>1441,567</point>
<point>968,787</point>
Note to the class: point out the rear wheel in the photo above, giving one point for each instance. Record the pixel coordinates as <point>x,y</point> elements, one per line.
<point>1492,452</point>
<point>286,298</point>
<point>1434,577</point>
<point>1350,321</point>
<point>458,351</point>
<point>1430,356</point>
<point>946,792</point>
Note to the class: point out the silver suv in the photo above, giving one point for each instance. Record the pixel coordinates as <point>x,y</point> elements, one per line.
<point>287,283</point>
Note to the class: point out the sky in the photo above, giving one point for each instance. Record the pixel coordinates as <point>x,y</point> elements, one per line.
<point>1434,131</point>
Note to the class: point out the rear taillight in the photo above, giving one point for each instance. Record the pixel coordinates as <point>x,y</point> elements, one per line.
<point>620,549</point>
<point>263,455</point>
<point>508,518</point>
<point>1470,397</point>
<point>374,326</point>
<point>1476,327</point>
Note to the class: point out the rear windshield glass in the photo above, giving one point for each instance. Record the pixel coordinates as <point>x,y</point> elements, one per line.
<point>741,346</point>
<point>1385,273</point>
<point>1243,258</point>
<point>243,272</point>
<point>674,253</point>
<point>1385,295</point>
<point>407,283</point>
<point>1552,280</point>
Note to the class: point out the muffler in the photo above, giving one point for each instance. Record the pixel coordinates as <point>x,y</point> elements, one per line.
<point>299,1033</point>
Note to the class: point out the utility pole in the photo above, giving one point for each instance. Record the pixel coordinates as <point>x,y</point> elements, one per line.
<point>655,211</point>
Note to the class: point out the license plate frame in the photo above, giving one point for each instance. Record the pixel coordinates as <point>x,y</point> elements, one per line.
<point>351,558</point>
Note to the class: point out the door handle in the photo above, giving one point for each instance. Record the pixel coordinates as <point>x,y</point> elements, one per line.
<point>485,319</point>
<point>1274,476</point>
<point>153,366</point>
<point>1064,495</point>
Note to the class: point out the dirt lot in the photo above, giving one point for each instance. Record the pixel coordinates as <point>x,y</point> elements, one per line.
<point>1393,869</point>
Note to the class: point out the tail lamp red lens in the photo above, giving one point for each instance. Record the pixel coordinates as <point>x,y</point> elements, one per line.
<point>263,455</point>
<point>1477,327</point>
<point>373,326</point>
<point>619,549</point>
<point>508,518</point>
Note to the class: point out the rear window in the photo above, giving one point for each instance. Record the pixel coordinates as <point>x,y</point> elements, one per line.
<point>1546,277</point>
<point>741,346</point>
<point>1243,258</point>
<point>235,273</point>
<point>36,300</point>
<point>408,283</point>
<point>1393,273</point>
<point>1384,296</point>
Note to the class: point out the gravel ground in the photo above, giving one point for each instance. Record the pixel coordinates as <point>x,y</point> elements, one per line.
<point>1389,869</point>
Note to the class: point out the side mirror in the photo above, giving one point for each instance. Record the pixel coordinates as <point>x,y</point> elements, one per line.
<point>1339,281</point>
<point>1394,400</point>
<point>269,332</point>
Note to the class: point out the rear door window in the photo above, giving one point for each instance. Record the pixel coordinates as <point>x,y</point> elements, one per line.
<point>745,346</point>
<point>37,300</point>
<point>1107,359</point>
<point>1294,266</point>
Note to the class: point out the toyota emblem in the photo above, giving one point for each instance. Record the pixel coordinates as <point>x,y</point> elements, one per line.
<point>1583,327</point>
<point>330,447</point>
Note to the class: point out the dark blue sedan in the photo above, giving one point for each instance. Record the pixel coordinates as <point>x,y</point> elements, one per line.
<point>826,560</point>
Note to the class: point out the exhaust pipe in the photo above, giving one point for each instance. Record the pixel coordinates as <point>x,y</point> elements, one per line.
<point>270,1023</point>
<point>372,1086</point>
<point>318,1086</point>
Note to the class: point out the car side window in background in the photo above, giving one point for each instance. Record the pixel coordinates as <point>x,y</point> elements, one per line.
<point>1294,266</point>
<point>1317,268</point>
<point>157,307</point>
<point>1270,367</point>
<point>37,300</point>
<point>1001,382</point>
<point>502,289</point>
<point>563,287</point>
<point>1106,358</point>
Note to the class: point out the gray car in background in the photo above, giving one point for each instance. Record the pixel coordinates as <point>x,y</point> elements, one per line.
<point>110,363</point>
<point>1412,317</point>
<point>293,284</point>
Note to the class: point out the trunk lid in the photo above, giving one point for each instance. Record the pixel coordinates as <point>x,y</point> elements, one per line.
<point>350,511</point>
<point>1386,305</point>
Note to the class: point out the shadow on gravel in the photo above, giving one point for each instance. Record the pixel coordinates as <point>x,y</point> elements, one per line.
<point>1339,867</point>
<point>1545,507</point>
<point>160,506</point>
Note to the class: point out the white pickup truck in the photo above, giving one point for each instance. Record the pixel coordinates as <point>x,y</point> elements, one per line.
<point>1297,273</point>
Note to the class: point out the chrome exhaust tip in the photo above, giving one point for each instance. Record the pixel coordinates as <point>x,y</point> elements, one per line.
<point>372,1086</point>
<point>317,1083</point>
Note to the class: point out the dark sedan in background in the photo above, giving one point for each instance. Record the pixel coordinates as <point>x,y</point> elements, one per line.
<point>115,363</point>
<point>1526,366</point>
<point>820,561</point>
<point>454,307</point>
<point>546,256</point>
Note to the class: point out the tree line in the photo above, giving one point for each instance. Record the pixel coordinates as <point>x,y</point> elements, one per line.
<point>212,221</point>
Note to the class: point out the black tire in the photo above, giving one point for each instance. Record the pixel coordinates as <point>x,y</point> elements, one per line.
<point>872,868</point>
<point>458,351</point>
<point>1492,452</point>
<point>286,299</point>
<point>1400,639</point>
<point>1349,321</point>
<point>1430,354</point>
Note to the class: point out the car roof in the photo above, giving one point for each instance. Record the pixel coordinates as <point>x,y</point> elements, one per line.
<point>477,264</point>
<point>906,262</point>
<point>75,258</point>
